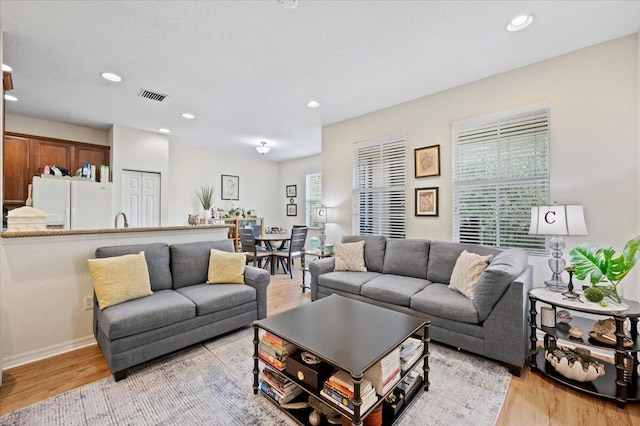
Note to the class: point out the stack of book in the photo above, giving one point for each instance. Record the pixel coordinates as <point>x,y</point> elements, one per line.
<point>274,350</point>
<point>278,387</point>
<point>385,373</point>
<point>339,389</point>
<point>410,351</point>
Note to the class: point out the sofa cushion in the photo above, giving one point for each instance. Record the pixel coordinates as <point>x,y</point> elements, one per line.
<point>350,257</point>
<point>467,271</point>
<point>443,257</point>
<point>225,267</point>
<point>407,257</point>
<point>350,282</point>
<point>119,279</point>
<point>394,289</point>
<point>214,298</point>
<point>156,256</point>
<point>160,309</point>
<point>439,300</point>
<point>190,261</point>
<point>494,281</point>
<point>374,247</point>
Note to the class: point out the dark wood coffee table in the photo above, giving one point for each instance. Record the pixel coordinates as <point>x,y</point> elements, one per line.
<point>347,334</point>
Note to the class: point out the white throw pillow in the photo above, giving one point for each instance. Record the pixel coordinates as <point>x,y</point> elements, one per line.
<point>350,257</point>
<point>467,271</point>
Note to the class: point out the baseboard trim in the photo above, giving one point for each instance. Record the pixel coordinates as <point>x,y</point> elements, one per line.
<point>48,352</point>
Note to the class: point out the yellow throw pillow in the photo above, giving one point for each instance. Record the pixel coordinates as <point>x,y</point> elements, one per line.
<point>226,267</point>
<point>467,271</point>
<point>350,257</point>
<point>119,278</point>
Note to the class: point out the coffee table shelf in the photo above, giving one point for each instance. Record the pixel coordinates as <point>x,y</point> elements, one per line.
<point>323,327</point>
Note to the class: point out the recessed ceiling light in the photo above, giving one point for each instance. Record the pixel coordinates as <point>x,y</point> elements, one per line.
<point>111,77</point>
<point>6,68</point>
<point>164,130</point>
<point>520,22</point>
<point>10,98</point>
<point>188,116</point>
<point>313,104</point>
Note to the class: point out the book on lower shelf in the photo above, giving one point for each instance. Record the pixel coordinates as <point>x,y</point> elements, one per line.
<point>278,387</point>
<point>274,350</point>
<point>339,389</point>
<point>410,351</point>
<point>385,373</point>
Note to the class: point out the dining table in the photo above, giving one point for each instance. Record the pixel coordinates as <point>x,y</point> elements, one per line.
<point>273,242</point>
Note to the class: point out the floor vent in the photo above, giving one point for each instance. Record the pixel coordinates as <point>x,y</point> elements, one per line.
<point>151,95</point>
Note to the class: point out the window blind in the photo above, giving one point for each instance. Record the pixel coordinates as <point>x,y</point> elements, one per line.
<point>379,178</point>
<point>500,171</point>
<point>313,198</point>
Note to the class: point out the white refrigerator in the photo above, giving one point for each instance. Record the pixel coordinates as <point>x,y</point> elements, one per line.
<point>73,203</point>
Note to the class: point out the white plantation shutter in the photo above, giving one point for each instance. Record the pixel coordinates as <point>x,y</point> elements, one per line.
<point>379,177</point>
<point>500,171</point>
<point>313,197</point>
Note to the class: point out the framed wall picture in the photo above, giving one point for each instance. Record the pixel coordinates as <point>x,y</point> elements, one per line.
<point>230,187</point>
<point>427,201</point>
<point>427,161</point>
<point>292,210</point>
<point>292,191</point>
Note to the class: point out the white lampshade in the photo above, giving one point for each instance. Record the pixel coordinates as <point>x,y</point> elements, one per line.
<point>558,220</point>
<point>323,215</point>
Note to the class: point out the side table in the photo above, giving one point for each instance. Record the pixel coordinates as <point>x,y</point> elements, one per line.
<point>317,254</point>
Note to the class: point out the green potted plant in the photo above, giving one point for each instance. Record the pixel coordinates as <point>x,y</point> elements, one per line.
<point>604,271</point>
<point>205,195</point>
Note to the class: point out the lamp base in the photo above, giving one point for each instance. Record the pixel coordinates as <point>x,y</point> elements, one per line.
<point>556,285</point>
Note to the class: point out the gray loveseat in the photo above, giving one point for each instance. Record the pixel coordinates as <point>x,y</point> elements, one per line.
<point>182,310</point>
<point>412,276</point>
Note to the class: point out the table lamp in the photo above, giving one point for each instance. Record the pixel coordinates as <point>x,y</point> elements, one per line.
<point>557,220</point>
<point>323,215</point>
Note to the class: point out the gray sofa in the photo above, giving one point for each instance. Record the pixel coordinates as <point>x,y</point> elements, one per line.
<point>182,310</point>
<point>412,276</point>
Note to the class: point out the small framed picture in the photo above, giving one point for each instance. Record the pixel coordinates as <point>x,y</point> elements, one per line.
<point>427,201</point>
<point>230,187</point>
<point>292,191</point>
<point>427,161</point>
<point>292,210</point>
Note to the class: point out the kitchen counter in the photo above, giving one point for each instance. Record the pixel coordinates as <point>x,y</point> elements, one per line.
<point>55,233</point>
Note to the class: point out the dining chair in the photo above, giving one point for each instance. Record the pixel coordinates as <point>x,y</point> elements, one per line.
<point>255,253</point>
<point>285,257</point>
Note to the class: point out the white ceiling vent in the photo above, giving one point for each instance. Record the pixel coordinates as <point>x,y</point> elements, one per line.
<point>144,93</point>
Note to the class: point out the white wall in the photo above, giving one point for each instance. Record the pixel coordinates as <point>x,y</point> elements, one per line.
<point>52,129</point>
<point>594,141</point>
<point>192,167</point>
<point>293,172</point>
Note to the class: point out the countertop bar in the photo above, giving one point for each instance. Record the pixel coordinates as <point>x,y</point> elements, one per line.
<point>54,233</point>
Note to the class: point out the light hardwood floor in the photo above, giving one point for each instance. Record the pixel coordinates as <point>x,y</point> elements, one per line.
<point>530,400</point>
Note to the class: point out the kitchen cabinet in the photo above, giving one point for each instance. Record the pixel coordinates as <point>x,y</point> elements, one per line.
<point>24,156</point>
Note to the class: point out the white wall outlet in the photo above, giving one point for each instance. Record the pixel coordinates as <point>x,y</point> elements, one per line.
<point>88,303</point>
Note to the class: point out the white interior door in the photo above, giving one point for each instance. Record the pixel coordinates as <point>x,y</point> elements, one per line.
<point>141,198</point>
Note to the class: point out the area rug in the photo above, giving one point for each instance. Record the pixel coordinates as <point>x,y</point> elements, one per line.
<point>211,384</point>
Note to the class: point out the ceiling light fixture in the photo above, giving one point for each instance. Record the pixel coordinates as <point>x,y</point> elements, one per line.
<point>111,77</point>
<point>263,149</point>
<point>313,104</point>
<point>10,98</point>
<point>188,116</point>
<point>164,130</point>
<point>520,22</point>
<point>6,68</point>
<point>289,4</point>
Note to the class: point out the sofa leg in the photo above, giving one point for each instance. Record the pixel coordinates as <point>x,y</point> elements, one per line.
<point>515,371</point>
<point>120,375</point>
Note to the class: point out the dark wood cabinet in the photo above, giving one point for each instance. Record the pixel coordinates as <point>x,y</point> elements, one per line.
<point>26,155</point>
<point>16,176</point>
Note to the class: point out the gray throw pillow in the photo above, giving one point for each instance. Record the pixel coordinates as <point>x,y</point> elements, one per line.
<point>495,280</point>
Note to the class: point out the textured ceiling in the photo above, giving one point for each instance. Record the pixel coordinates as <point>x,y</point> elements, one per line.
<point>246,69</point>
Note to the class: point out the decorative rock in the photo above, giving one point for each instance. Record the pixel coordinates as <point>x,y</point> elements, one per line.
<point>575,332</point>
<point>564,316</point>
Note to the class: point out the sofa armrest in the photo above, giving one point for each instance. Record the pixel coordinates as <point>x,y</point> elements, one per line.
<point>258,279</point>
<point>317,268</point>
<point>506,329</point>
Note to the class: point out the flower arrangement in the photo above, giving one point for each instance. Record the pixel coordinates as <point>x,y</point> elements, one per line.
<point>603,270</point>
